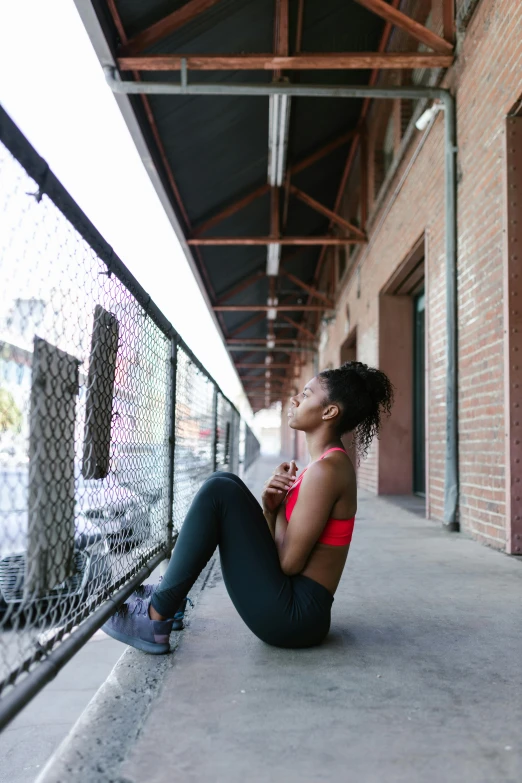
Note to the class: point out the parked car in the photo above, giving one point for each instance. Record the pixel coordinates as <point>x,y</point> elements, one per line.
<point>92,573</point>
<point>109,518</point>
<point>123,516</point>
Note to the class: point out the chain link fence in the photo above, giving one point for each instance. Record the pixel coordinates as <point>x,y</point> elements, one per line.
<point>108,426</point>
<point>252,447</point>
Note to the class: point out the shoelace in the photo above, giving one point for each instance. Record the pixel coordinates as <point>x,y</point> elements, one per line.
<point>139,606</point>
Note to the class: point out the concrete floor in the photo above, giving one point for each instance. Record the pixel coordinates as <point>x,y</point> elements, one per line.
<point>418,682</point>
<point>28,742</point>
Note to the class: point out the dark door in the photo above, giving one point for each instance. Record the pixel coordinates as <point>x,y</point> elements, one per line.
<point>419,444</point>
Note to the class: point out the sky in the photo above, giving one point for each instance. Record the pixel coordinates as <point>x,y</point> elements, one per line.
<point>53,87</point>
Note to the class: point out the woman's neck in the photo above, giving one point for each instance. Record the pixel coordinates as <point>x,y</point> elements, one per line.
<point>319,442</point>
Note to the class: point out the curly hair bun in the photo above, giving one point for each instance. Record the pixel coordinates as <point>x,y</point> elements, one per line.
<point>364,394</point>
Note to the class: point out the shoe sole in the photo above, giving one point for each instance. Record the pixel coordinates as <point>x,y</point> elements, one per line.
<point>140,644</point>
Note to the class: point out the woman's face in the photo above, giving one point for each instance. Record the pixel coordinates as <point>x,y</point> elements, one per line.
<point>307,408</point>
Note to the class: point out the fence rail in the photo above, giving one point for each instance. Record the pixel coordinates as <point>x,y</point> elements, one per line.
<point>108,426</point>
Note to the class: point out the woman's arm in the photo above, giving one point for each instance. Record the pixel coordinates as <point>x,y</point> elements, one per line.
<point>319,491</point>
<point>275,490</point>
<point>271,518</point>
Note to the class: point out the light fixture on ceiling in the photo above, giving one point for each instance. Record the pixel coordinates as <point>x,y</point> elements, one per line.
<point>270,343</point>
<point>278,127</point>
<point>273,258</point>
<point>272,312</point>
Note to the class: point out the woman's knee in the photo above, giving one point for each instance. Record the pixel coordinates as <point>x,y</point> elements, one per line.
<point>226,474</point>
<point>220,482</point>
<point>223,476</point>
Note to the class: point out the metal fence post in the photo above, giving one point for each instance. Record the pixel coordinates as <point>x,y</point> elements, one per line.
<point>215,429</point>
<point>172,439</point>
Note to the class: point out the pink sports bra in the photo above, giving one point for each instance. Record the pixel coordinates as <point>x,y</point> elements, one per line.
<point>337,532</point>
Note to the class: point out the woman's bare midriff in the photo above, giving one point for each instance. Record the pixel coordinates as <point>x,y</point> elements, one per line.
<point>326,565</point>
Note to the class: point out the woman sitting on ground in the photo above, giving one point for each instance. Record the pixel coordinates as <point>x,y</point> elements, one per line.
<point>281,562</point>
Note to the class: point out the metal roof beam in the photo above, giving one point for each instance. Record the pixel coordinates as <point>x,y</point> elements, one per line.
<point>415,29</point>
<point>265,308</point>
<point>273,396</point>
<point>247,324</point>
<point>302,62</point>
<point>160,30</point>
<point>262,341</point>
<point>318,207</point>
<point>309,160</point>
<point>281,30</point>
<point>237,289</point>
<point>263,349</point>
<point>253,366</point>
<point>255,241</point>
<point>299,327</point>
<point>313,291</point>
<point>255,381</point>
<point>322,152</point>
<point>274,393</point>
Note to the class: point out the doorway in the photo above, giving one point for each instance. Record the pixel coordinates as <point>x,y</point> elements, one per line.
<point>402,445</point>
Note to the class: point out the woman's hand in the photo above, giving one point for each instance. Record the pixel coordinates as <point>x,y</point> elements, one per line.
<point>277,486</point>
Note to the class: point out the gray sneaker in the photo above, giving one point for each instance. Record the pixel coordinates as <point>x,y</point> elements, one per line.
<point>145,592</point>
<point>132,625</point>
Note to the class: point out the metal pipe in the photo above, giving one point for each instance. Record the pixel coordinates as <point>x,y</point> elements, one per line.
<point>451,466</point>
<point>47,669</point>
<point>297,90</point>
<point>451,477</point>
<point>281,348</point>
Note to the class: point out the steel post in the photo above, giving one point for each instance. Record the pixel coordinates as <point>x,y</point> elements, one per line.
<point>172,439</point>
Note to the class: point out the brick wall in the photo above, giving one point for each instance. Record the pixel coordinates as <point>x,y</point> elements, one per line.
<point>487,79</point>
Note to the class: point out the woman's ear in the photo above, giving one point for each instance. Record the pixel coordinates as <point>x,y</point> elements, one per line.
<point>331,412</point>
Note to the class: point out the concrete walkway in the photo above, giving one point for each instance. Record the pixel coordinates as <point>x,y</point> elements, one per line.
<point>418,682</point>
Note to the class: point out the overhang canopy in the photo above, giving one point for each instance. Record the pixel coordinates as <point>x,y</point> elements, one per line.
<point>257,183</point>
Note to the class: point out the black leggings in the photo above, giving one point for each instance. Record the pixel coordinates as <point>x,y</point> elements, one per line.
<point>286,611</point>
